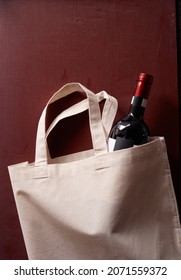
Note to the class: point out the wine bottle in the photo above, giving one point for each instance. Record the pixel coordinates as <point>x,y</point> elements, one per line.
<point>132,130</point>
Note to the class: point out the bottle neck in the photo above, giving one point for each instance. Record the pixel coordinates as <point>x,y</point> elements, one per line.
<point>137,107</point>
<point>141,93</point>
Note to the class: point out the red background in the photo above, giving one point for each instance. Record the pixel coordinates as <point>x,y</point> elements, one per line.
<point>100,43</point>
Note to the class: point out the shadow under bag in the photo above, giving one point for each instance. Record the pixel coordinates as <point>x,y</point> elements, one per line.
<point>97,204</point>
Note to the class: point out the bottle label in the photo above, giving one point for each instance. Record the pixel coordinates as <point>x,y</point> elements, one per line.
<point>139,101</point>
<point>111,144</point>
<point>122,143</point>
<point>119,143</point>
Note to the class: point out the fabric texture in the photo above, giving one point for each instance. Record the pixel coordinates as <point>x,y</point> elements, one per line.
<point>97,204</point>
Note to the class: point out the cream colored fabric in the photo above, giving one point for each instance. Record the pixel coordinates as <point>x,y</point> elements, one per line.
<point>97,204</point>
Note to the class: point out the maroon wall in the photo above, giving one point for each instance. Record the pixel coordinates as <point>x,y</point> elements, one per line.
<point>102,44</point>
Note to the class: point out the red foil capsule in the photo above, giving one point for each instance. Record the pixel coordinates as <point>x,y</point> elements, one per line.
<point>143,85</point>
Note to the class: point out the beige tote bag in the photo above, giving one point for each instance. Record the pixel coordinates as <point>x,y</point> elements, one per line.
<point>97,204</point>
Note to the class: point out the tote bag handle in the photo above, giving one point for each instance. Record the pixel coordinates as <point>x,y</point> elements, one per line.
<point>108,113</point>
<point>95,122</point>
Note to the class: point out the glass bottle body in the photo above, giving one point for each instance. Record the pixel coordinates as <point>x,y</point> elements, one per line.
<point>132,130</point>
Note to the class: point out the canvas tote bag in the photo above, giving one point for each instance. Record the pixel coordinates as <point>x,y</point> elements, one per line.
<point>97,204</point>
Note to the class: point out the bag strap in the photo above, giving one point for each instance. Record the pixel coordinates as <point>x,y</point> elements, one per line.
<point>95,122</point>
<point>108,113</point>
